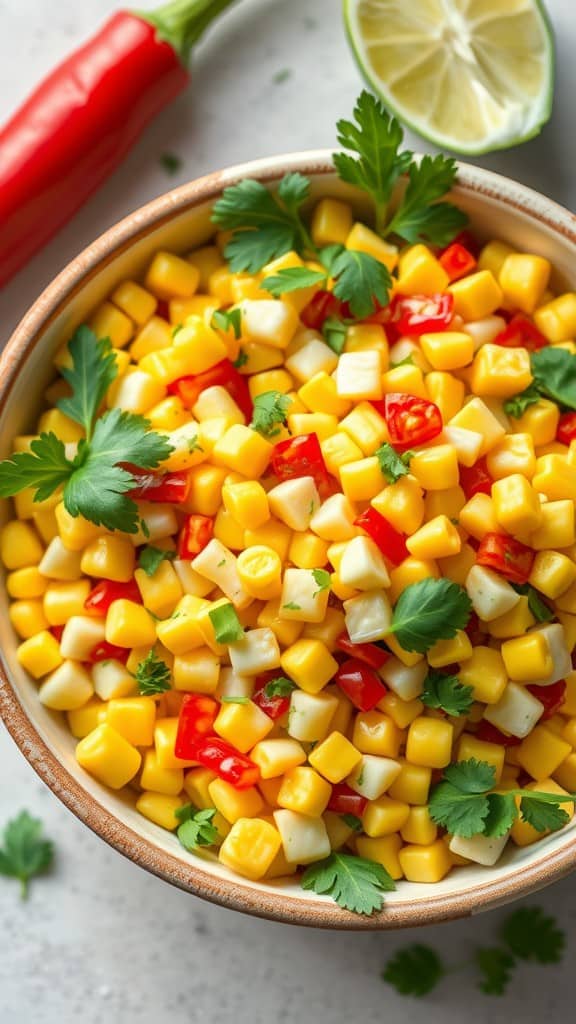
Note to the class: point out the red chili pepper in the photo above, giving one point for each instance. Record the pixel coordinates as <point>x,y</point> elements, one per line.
<point>81,121</point>
<point>322,305</point>
<point>392,544</point>
<point>490,734</point>
<point>360,684</point>
<point>196,720</point>
<point>457,261</point>
<point>104,593</point>
<point>223,374</point>
<point>227,762</point>
<point>521,333</point>
<point>414,315</point>
<point>300,456</point>
<point>344,800</point>
<point>172,488</point>
<point>566,432</point>
<point>370,654</point>
<point>507,556</point>
<point>552,697</point>
<point>195,534</point>
<point>411,420</point>
<point>106,652</point>
<point>476,479</point>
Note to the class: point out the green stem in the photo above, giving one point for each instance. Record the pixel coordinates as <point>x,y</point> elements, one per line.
<point>546,798</point>
<point>181,22</point>
<point>23,888</point>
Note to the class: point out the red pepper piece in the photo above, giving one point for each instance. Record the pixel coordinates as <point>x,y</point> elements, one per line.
<point>322,305</point>
<point>552,697</point>
<point>414,315</point>
<point>57,632</point>
<point>196,720</point>
<point>411,421</point>
<point>195,534</point>
<point>227,762</point>
<point>490,734</point>
<point>521,333</point>
<point>344,800</point>
<point>566,432</point>
<point>223,374</point>
<point>466,238</point>
<point>300,456</point>
<point>507,556</point>
<point>274,707</point>
<point>360,684</point>
<point>476,479</point>
<point>457,261</point>
<point>104,593</point>
<point>172,488</point>
<point>106,652</point>
<point>370,654</point>
<point>392,544</point>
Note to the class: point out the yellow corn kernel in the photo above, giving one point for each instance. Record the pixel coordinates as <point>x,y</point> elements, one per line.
<point>445,652</point>
<point>448,350</point>
<point>384,816</point>
<point>160,779</point>
<point>360,337</point>
<point>429,742</point>
<point>168,415</point>
<point>527,658</point>
<point>244,725</point>
<point>493,255</point>
<point>75,531</point>
<point>198,671</point>
<point>419,828</point>
<point>26,583</point>
<point>39,654</point>
<point>106,755</point>
<point>20,546</point>
<point>516,622</point>
<point>555,477</point>
<point>476,295</point>
<point>207,259</point>
<point>412,785</point>
<point>411,570</point>
<point>319,394</point>
<point>305,791</point>
<point>331,222</point>
<point>492,753</point>
<point>402,712</point>
<point>161,591</point>
<point>247,501</point>
<point>485,672</point>
<point>500,372</point>
<point>375,733</point>
<point>196,785</point>
<point>328,630</point>
<point>228,531</point>
<point>457,567</point>
<point>569,624</point>
<point>567,730</point>
<point>335,757</point>
<point>540,421</point>
<point>365,427</point>
<point>523,279</point>
<point>477,417</point>
<point>112,323</point>
<point>170,277</point>
<point>27,618</point>
<point>407,379</point>
<point>271,534</point>
<point>448,503</point>
<point>250,847</point>
<point>129,625</point>
<point>307,551</point>
<point>154,336</point>
<point>109,557</point>
<point>63,600</point>
<point>421,273</point>
<point>363,239</point>
<point>542,752</point>
<point>402,504</point>
<point>557,528</point>
<point>427,864</point>
<point>437,538</point>
<point>361,480</point>
<point>446,391</point>
<point>260,569</point>
<point>565,774</point>
<point>133,718</point>
<point>319,423</point>
<point>275,757</point>
<point>160,808</point>
<point>552,573</point>
<point>165,730</point>
<point>436,469</point>
<point>234,804</point>
<point>513,454</point>
<point>242,450</point>
<point>134,301</point>
<point>310,664</point>
<point>83,720</point>
<point>384,850</point>
<point>557,319</point>
<point>516,505</point>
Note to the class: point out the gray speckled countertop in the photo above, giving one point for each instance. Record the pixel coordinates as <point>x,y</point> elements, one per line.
<point>100,940</point>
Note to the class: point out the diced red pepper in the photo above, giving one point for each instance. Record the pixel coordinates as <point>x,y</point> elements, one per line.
<point>224,374</point>
<point>300,456</point>
<point>566,432</point>
<point>196,720</point>
<point>488,733</point>
<point>108,652</point>
<point>370,654</point>
<point>466,238</point>
<point>57,632</point>
<point>457,261</point>
<point>227,762</point>
<point>344,800</point>
<point>274,707</point>
<point>476,479</point>
<point>322,305</point>
<point>360,684</point>
<point>552,697</point>
<point>474,633</point>
<point>507,556</point>
<point>521,333</point>
<point>172,488</point>
<point>195,534</point>
<point>104,593</point>
<point>414,315</point>
<point>392,544</point>
<point>411,421</point>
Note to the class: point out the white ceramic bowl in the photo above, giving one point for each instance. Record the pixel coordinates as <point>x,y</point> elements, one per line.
<point>179,221</point>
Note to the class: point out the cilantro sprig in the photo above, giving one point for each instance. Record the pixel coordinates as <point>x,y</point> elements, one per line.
<point>428,611</point>
<point>197,828</point>
<point>281,686</point>
<point>354,883</point>
<point>24,852</point>
<point>554,372</point>
<point>152,675</point>
<point>228,319</point>
<point>270,412</point>
<point>322,579</point>
<point>151,558</point>
<point>393,464</point>
<point>447,693</point>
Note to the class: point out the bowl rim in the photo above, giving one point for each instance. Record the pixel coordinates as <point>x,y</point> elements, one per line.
<point>256,900</point>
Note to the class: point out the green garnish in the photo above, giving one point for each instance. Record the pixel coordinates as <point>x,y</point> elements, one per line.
<point>353,822</point>
<point>24,853</point>
<point>428,611</point>
<point>150,559</point>
<point>554,372</point>
<point>414,970</point>
<point>279,687</point>
<point>292,606</point>
<point>270,411</point>
<point>517,405</point>
<point>171,162</point>
<point>152,675</point>
<point>322,580</point>
<point>290,279</point>
<point>354,883</point>
<point>447,693</point>
<point>241,360</point>
<point>235,700</point>
<point>224,319</point>
<point>227,626</point>
<point>393,464</point>
<point>197,828</point>
<point>540,610</point>
<point>334,332</point>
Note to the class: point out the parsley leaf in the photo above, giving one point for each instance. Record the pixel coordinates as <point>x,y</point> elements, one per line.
<point>496,966</point>
<point>540,610</point>
<point>428,611</point>
<point>279,687</point>
<point>554,371</point>
<point>197,828</point>
<point>334,332</point>
<point>264,225</point>
<point>414,971</point>
<point>152,675</point>
<point>322,580</point>
<point>92,372</point>
<point>45,468</point>
<point>354,883</point>
<point>292,606</point>
<point>360,279</point>
<point>419,216</point>
<point>353,822</point>
<point>541,815</point>
<point>224,319</point>
<point>392,464</point>
<point>150,559</point>
<point>447,693</point>
<point>290,279</point>
<point>532,934</point>
<point>227,626</point>
<point>270,411</point>
<point>24,852</point>
<point>517,405</point>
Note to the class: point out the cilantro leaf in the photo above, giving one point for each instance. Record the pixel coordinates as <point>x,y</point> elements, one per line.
<point>554,371</point>
<point>322,580</point>
<point>471,776</point>
<point>45,468</point>
<point>414,970</point>
<point>334,332</point>
<point>197,828</point>
<point>354,883</point>
<point>150,559</point>
<point>543,816</point>
<point>361,280</point>
<point>290,279</point>
<point>392,464</point>
<point>427,611</point>
<point>152,675</point>
<point>517,405</point>
<point>496,966</point>
<point>353,822</point>
<point>224,319</point>
<point>93,370</point>
<point>292,606</point>
<point>241,360</point>
<point>459,802</point>
<point>419,216</point>
<point>447,693</point>
<point>24,852</point>
<point>235,699</point>
<point>532,934</point>
<point>279,687</point>
<point>502,813</point>
<point>540,610</point>
<point>226,624</point>
<point>270,411</point>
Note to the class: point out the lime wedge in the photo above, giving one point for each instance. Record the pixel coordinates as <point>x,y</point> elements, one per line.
<point>470,75</point>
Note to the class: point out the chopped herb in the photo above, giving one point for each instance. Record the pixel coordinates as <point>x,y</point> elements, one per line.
<point>279,687</point>
<point>353,822</point>
<point>414,970</point>
<point>362,281</point>
<point>270,412</point>
<point>235,700</point>
<point>334,332</point>
<point>428,611</point>
<point>292,606</point>
<point>517,405</point>
<point>176,330</point>
<point>540,610</point>
<point>447,693</point>
<point>354,883</point>
<point>193,444</point>
<point>322,580</point>
<point>150,559</point>
<point>152,675</point>
<point>221,563</point>
<point>24,852</point>
<point>496,966</point>
<point>241,360</point>
<point>197,828</point>
<point>532,934</point>
<point>393,465</point>
<point>554,372</point>
<point>281,76</point>
<point>171,162</point>
<point>226,319</point>
<point>227,626</point>
<point>291,279</point>
<point>407,361</point>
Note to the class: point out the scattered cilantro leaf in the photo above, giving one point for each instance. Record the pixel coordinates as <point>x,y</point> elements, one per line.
<point>334,332</point>
<point>447,693</point>
<point>233,699</point>
<point>496,966</point>
<point>554,371</point>
<point>194,445</point>
<point>270,412</point>
<point>419,216</point>
<point>353,822</point>
<point>354,883</point>
<point>361,281</point>
<point>45,468</point>
<point>542,816</point>
<point>224,319</point>
<point>471,776</point>
<point>150,559</point>
<point>407,361</point>
<point>152,675</point>
<point>197,828</point>
<point>517,405</point>
<point>227,625</point>
<point>279,687</point>
<point>328,254</point>
<point>292,606</point>
<point>24,853</point>
<point>502,813</point>
<point>427,611</point>
<point>92,372</point>
<point>322,580</point>
<point>540,610</point>
<point>393,465</point>
<point>459,802</point>
<point>176,330</point>
<point>532,934</point>
<point>171,162</point>
<point>290,279</point>
<point>282,75</point>
<point>414,971</point>
<point>241,360</point>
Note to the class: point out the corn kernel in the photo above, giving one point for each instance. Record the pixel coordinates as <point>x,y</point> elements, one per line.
<point>425,863</point>
<point>429,742</point>
<point>106,755</point>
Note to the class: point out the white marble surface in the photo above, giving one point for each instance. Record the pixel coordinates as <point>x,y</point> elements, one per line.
<point>100,940</point>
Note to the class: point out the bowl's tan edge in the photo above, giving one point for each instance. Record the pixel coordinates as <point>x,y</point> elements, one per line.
<point>232,894</point>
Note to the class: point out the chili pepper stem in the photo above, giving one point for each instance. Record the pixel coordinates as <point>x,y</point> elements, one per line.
<point>181,22</point>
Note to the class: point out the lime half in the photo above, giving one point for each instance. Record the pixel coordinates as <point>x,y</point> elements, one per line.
<point>470,75</point>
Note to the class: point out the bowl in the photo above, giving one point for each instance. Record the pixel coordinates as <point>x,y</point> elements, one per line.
<point>180,220</point>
